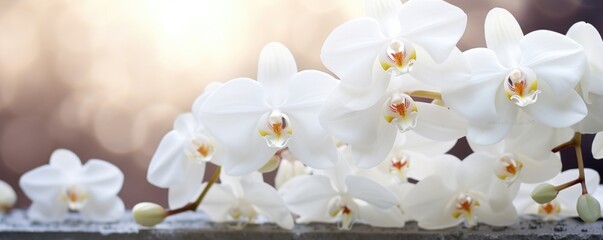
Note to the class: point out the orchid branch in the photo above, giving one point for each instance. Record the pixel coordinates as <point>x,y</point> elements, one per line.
<point>576,142</point>
<point>150,214</point>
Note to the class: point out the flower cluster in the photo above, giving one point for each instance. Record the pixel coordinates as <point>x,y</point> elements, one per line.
<point>370,146</point>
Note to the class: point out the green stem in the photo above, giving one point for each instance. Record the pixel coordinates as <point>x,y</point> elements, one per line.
<point>193,206</point>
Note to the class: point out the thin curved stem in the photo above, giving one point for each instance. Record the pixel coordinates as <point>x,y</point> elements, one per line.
<point>193,206</point>
<point>426,94</point>
<point>576,142</point>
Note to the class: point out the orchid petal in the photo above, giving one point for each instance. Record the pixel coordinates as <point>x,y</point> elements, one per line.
<point>184,192</point>
<point>350,50</point>
<point>560,62</point>
<point>339,121</point>
<point>308,196</point>
<point>556,111</point>
<point>210,88</point>
<point>231,113</point>
<point>371,192</point>
<point>484,85</point>
<point>438,35</point>
<point>539,170</point>
<point>217,202</point>
<point>505,217</point>
<point>453,72</point>
<point>44,213</point>
<point>476,172</point>
<point>241,163</point>
<point>503,34</point>
<point>164,169</point>
<point>310,143</point>
<point>43,184</point>
<point>185,124</point>
<point>109,210</point>
<point>593,122</point>
<point>102,179</point>
<point>267,200</point>
<point>276,67</point>
<point>597,146</point>
<point>370,155</point>
<point>386,13</point>
<point>590,39</point>
<point>417,143</point>
<point>439,123</point>
<point>501,195</point>
<point>378,217</point>
<point>339,173</point>
<point>427,200</point>
<point>308,89</point>
<point>65,160</point>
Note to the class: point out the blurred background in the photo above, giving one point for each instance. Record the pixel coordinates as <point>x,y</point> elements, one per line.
<point>106,79</point>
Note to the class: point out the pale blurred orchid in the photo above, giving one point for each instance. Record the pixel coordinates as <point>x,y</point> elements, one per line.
<point>591,85</point>
<point>254,119</point>
<point>336,195</point>
<point>393,34</point>
<point>536,73</point>
<point>564,205</point>
<point>65,184</point>
<point>456,193</point>
<point>244,200</point>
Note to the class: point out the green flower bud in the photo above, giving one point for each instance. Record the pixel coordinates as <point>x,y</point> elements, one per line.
<point>588,208</point>
<point>544,193</point>
<point>148,214</point>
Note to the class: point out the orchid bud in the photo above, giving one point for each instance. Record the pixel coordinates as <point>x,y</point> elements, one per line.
<point>544,193</point>
<point>148,214</point>
<point>589,209</point>
<point>7,197</point>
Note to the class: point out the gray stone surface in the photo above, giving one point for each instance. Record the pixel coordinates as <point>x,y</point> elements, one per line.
<point>196,226</point>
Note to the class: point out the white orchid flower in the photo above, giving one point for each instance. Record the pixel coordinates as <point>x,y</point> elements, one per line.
<point>392,33</point>
<point>370,120</point>
<point>244,200</point>
<point>179,161</point>
<point>456,193</point>
<point>535,73</point>
<point>524,156</point>
<point>65,184</point>
<point>410,157</point>
<point>8,197</point>
<point>564,205</point>
<point>591,85</point>
<point>254,119</point>
<point>337,195</point>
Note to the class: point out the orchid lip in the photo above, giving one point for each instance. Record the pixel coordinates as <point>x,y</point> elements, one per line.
<point>521,87</point>
<point>201,149</point>
<point>508,168</point>
<point>464,206</point>
<point>400,109</point>
<point>398,57</point>
<point>76,197</point>
<point>276,129</point>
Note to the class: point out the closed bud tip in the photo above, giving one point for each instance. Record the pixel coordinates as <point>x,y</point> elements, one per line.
<point>8,197</point>
<point>544,193</point>
<point>589,209</point>
<point>148,214</point>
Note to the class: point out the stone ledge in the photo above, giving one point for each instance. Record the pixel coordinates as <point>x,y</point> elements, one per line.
<point>197,226</point>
